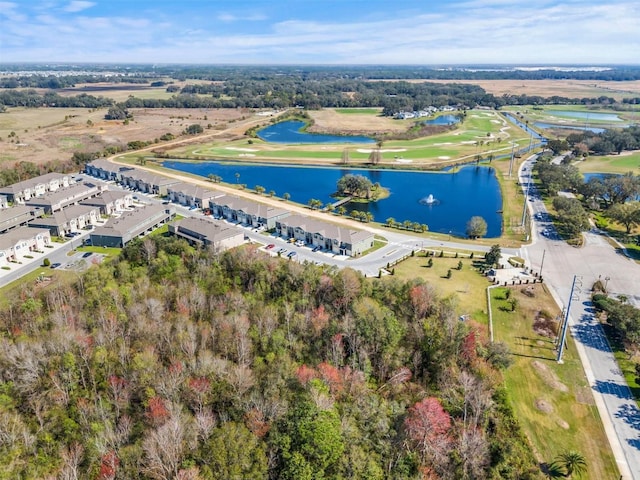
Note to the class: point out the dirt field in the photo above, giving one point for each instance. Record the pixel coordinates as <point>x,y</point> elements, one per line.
<point>45,134</point>
<point>330,121</point>
<point>549,88</point>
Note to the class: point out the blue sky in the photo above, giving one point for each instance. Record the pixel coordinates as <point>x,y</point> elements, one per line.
<point>321,31</point>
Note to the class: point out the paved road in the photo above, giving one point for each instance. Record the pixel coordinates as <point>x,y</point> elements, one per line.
<point>595,260</point>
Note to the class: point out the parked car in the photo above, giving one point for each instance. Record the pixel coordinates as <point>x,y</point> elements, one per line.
<point>291,254</point>
<point>316,248</point>
<point>55,265</point>
<point>87,254</point>
<point>270,246</point>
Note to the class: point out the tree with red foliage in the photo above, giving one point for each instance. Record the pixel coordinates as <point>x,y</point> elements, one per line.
<point>157,412</point>
<point>469,344</point>
<point>305,374</point>
<point>332,377</point>
<point>427,426</point>
<point>108,466</point>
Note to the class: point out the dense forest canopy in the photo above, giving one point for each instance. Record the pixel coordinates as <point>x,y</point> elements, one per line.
<point>170,362</point>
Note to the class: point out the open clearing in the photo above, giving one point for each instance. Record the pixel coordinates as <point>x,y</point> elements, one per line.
<point>623,163</point>
<point>45,134</point>
<point>549,88</point>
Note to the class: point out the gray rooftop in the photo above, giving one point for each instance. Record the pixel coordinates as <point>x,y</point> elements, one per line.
<point>71,192</point>
<point>32,182</point>
<point>149,177</point>
<point>106,197</point>
<point>13,212</point>
<point>131,221</point>
<point>213,231</point>
<point>10,238</point>
<point>65,215</point>
<point>252,208</point>
<point>195,191</point>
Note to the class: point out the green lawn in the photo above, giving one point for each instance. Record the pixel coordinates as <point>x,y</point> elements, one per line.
<point>466,284</point>
<point>553,402</point>
<point>627,162</point>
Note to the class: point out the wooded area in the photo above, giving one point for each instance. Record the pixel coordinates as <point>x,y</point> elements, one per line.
<point>170,362</point>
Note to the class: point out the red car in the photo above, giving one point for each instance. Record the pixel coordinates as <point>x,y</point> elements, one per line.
<point>270,246</point>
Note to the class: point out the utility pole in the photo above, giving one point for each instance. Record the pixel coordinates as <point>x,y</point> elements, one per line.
<point>576,280</point>
<point>542,262</point>
<point>526,197</point>
<point>513,148</point>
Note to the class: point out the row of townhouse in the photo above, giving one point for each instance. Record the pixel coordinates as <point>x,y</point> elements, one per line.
<point>21,192</point>
<point>246,212</point>
<point>191,195</point>
<point>331,237</point>
<point>17,216</point>
<point>130,177</point>
<point>4,202</point>
<point>17,244</point>
<point>426,112</point>
<point>73,194</point>
<point>70,219</point>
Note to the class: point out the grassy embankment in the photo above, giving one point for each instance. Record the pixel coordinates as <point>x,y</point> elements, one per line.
<point>553,402</point>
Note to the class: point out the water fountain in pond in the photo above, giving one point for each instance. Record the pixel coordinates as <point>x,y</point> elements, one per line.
<point>429,200</point>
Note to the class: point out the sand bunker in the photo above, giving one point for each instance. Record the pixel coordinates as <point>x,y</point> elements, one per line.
<point>237,149</point>
<point>548,376</point>
<point>444,157</point>
<point>384,150</point>
<point>246,155</point>
<point>562,424</point>
<point>543,405</point>
<point>403,160</point>
<point>440,144</point>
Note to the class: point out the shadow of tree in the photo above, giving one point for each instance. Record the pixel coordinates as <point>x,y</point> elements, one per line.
<point>613,388</point>
<point>552,470</point>
<point>635,443</point>
<point>590,333</point>
<point>630,414</point>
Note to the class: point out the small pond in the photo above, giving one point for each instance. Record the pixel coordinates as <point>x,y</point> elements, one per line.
<point>443,120</point>
<point>290,132</point>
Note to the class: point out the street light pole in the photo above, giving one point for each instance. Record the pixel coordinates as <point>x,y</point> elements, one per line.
<point>542,262</point>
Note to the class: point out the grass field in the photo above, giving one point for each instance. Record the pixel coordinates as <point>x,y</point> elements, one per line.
<point>623,163</point>
<point>553,402</point>
<point>466,284</point>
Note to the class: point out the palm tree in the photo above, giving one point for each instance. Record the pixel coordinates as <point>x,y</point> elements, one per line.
<point>342,210</point>
<point>272,193</point>
<point>368,216</point>
<point>406,224</point>
<point>286,196</point>
<point>237,177</point>
<point>424,227</point>
<point>259,189</point>
<point>330,207</point>
<point>571,462</point>
<point>391,222</point>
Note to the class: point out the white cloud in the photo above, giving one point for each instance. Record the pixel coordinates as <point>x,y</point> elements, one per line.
<point>78,6</point>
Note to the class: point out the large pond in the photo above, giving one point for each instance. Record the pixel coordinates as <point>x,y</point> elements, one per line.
<point>290,131</point>
<point>546,126</point>
<point>473,190</point>
<point>604,117</point>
